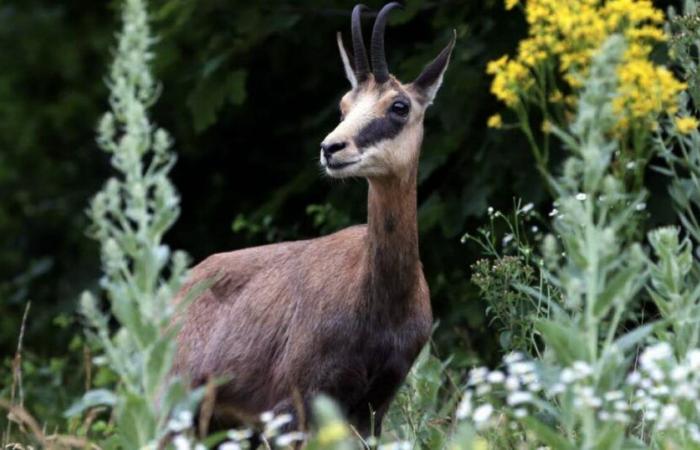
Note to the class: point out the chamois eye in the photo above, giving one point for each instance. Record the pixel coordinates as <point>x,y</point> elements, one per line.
<point>399,108</point>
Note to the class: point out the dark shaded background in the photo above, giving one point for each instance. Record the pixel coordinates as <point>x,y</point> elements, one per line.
<point>249,91</point>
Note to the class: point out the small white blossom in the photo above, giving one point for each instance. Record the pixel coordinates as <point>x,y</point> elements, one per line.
<point>230,446</point>
<point>482,413</point>
<point>289,438</point>
<point>464,409</point>
<point>581,196</point>
<point>180,442</point>
<point>495,377</point>
<point>518,397</point>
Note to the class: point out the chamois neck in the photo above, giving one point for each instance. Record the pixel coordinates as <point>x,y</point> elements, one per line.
<point>392,239</point>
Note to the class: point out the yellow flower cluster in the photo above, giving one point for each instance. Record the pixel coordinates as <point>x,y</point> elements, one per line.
<point>569,32</point>
<point>495,121</point>
<point>645,91</point>
<point>686,124</point>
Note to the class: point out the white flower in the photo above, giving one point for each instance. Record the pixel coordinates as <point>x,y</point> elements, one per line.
<point>634,378</point>
<point>239,435</point>
<point>557,389</point>
<point>229,446</point>
<point>464,409</point>
<point>620,417</point>
<point>180,442</point>
<point>613,395</point>
<point>581,196</point>
<point>651,355</point>
<point>527,208</point>
<point>521,368</point>
<point>686,391</point>
<point>520,413</point>
<point>512,383</point>
<point>621,405</point>
<point>279,421</point>
<point>660,390</point>
<point>669,415</point>
<point>568,376</point>
<point>519,397</point>
<point>181,422</point>
<point>506,239</point>
<point>477,375</point>
<point>400,445</point>
<point>482,413</point>
<point>483,389</point>
<point>679,373</point>
<point>553,212</point>
<point>693,358</point>
<point>582,369</point>
<point>267,416</point>
<point>288,438</point>
<point>496,377</point>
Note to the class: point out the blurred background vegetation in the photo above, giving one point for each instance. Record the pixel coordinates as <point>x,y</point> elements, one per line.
<point>250,90</point>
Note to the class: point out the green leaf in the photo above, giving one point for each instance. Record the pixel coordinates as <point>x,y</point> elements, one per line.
<point>550,437</point>
<point>564,339</point>
<point>91,398</point>
<point>210,95</point>
<point>614,290</point>
<point>159,361</point>
<point>136,421</point>
<point>634,337</point>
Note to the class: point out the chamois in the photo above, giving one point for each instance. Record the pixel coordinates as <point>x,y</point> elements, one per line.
<point>343,315</point>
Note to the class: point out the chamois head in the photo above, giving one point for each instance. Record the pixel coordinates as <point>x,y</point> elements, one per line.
<point>381,124</point>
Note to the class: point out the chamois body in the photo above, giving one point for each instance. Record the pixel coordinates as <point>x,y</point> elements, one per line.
<point>343,315</point>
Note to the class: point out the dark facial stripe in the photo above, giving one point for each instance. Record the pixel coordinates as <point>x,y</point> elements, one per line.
<point>379,129</point>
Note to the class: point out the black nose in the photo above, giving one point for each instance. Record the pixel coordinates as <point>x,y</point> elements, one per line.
<point>329,149</point>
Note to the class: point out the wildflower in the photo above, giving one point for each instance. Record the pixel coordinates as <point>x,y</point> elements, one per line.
<point>569,32</point>
<point>513,357</point>
<point>495,121</point>
<point>181,422</point>
<point>239,435</point>
<point>464,409</point>
<point>180,442</point>
<point>332,432</point>
<point>230,446</point>
<point>546,126</point>
<point>521,368</point>
<point>477,375</point>
<point>496,377</point>
<point>273,425</point>
<point>482,414</point>
<point>401,445</point>
<point>581,196</point>
<point>289,438</point>
<point>613,395</point>
<point>519,397</point>
<point>693,358</point>
<point>267,416</point>
<point>686,124</point>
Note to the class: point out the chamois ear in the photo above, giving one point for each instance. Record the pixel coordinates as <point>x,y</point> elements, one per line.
<point>349,71</point>
<point>430,79</point>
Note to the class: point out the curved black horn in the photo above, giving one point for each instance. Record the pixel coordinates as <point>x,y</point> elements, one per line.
<point>358,44</point>
<point>379,65</point>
